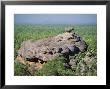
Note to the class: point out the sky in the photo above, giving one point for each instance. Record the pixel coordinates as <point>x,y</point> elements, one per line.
<point>55,19</point>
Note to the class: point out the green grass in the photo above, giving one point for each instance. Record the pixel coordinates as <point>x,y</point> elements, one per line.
<point>35,32</point>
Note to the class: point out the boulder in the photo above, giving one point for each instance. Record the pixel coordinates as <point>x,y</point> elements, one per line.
<point>46,49</point>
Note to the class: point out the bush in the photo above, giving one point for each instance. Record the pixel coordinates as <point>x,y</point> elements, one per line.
<point>55,67</point>
<point>21,70</point>
<point>51,67</point>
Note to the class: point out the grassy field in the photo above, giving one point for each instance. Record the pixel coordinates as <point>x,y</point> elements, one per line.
<point>35,32</point>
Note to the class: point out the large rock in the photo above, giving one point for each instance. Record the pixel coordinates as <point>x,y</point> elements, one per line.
<point>46,49</point>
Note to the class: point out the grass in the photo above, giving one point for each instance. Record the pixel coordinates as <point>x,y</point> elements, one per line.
<point>35,32</point>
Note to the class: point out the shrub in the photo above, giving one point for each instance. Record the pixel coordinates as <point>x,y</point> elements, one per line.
<point>51,67</point>
<point>55,67</point>
<point>21,70</point>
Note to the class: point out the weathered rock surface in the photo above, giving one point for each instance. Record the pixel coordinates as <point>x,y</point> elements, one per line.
<point>46,49</point>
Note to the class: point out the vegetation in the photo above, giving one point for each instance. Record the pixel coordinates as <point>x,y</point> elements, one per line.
<point>56,67</point>
<point>21,70</point>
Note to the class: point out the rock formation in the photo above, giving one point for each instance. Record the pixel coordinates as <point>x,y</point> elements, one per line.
<point>43,50</point>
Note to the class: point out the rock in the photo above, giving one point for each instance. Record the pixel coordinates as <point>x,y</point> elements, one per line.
<point>77,38</point>
<point>58,50</point>
<point>64,37</point>
<point>72,48</point>
<point>66,65</point>
<point>69,29</point>
<point>72,63</point>
<point>89,61</point>
<point>81,45</point>
<point>46,49</point>
<point>65,50</point>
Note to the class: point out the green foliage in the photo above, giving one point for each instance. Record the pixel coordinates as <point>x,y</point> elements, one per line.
<point>21,70</point>
<point>55,67</point>
<point>52,67</point>
<point>66,72</point>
